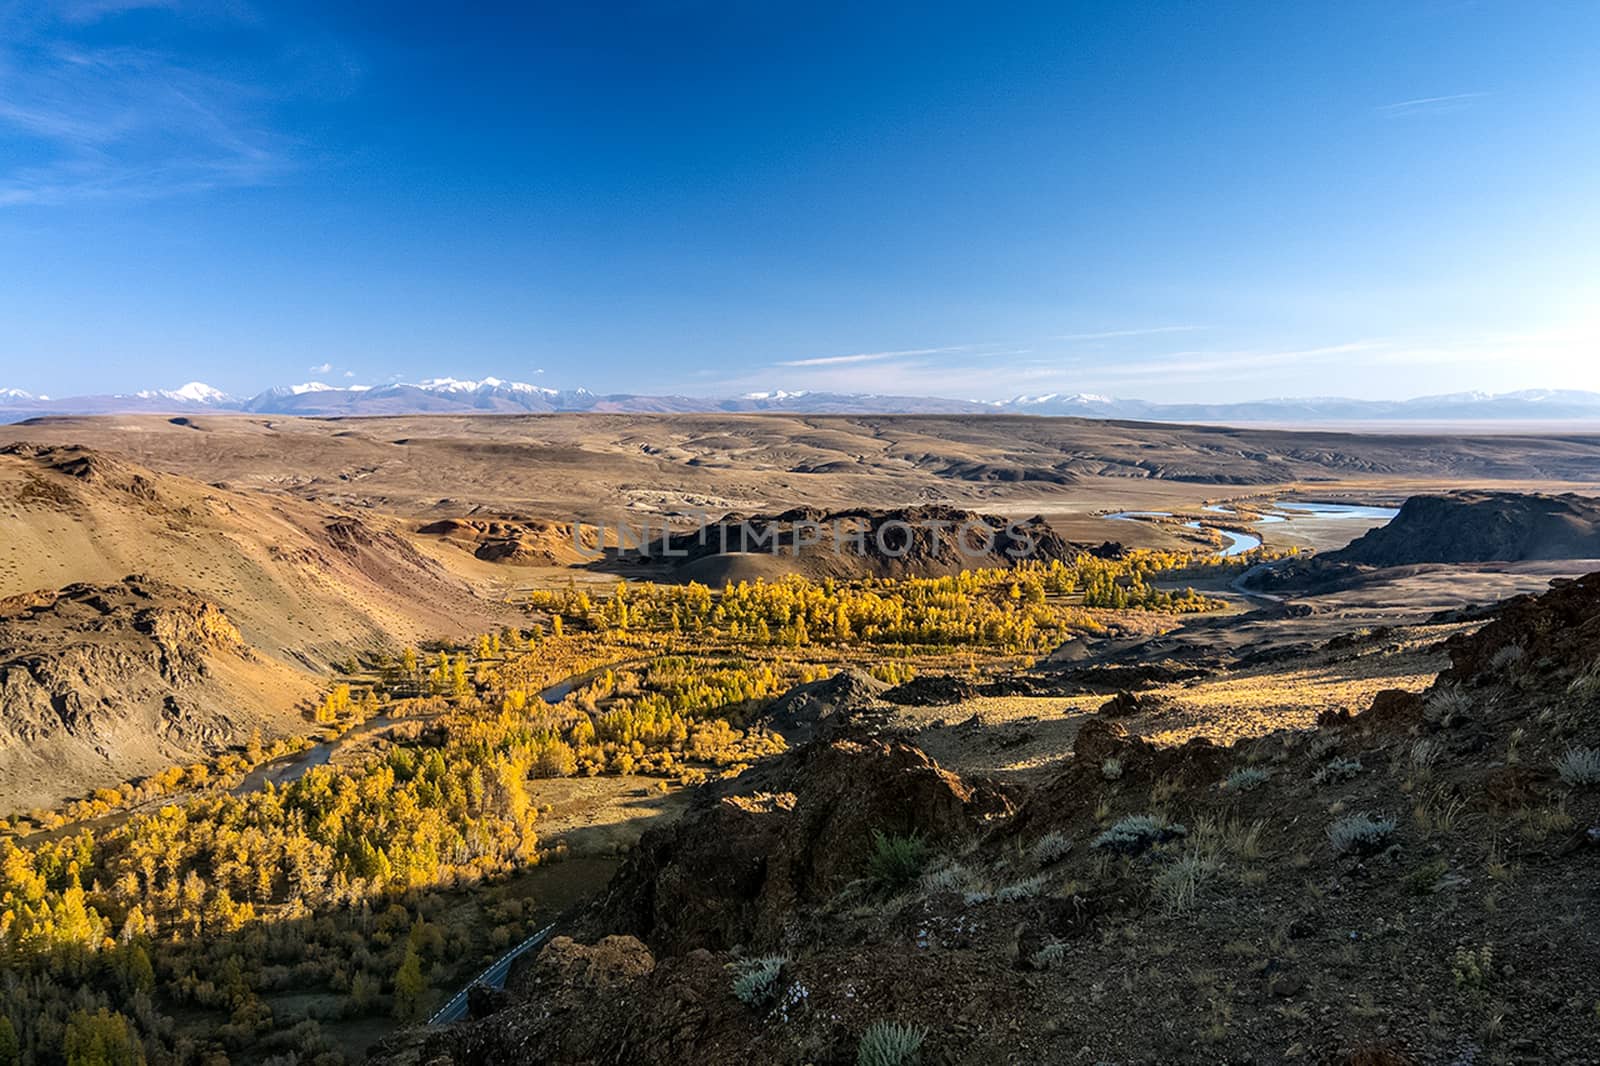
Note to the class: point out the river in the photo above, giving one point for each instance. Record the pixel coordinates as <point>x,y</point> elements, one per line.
<point>1238,542</point>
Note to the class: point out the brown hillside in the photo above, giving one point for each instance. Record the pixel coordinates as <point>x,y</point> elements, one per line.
<point>302,587</point>
<point>1409,885</point>
<point>106,682</point>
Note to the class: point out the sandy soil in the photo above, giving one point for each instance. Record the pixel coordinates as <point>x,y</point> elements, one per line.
<point>1028,737</point>
<point>558,466</point>
<point>596,817</point>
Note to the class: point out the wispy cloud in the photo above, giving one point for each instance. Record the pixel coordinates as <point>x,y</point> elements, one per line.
<point>1201,365</point>
<point>321,368</point>
<point>90,112</point>
<point>869,357</point>
<point>992,373</point>
<point>1430,104</point>
<point>1112,334</point>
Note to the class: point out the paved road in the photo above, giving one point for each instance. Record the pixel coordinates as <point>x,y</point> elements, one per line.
<point>494,977</point>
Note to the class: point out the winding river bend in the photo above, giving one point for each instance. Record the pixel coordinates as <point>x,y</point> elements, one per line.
<point>1238,543</point>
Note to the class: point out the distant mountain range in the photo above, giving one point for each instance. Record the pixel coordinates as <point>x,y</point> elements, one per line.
<point>494,396</point>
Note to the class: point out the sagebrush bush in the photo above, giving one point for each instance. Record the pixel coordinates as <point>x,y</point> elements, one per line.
<point>1360,833</point>
<point>1245,779</point>
<point>1136,832</point>
<point>755,981</point>
<point>896,861</point>
<point>1338,769</point>
<point>1579,767</point>
<point>1111,769</point>
<point>1027,888</point>
<point>1052,955</point>
<point>890,1044</point>
<point>950,877</point>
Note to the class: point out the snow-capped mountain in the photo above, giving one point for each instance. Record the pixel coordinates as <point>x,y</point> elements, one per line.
<point>488,386</point>
<point>492,395</point>
<point>194,392</point>
<point>431,395</point>
<point>1082,399</point>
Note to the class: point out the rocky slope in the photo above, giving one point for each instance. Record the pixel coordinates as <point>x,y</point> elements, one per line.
<point>302,585</point>
<point>125,678</point>
<point>1413,884</point>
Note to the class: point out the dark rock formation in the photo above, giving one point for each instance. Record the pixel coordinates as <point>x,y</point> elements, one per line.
<point>1477,527</point>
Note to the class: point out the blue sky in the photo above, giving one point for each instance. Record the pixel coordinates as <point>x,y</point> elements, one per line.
<point>1172,201</point>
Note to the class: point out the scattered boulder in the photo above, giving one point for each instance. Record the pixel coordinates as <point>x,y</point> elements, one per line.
<point>1122,705</point>
<point>566,973</point>
<point>822,708</point>
<point>938,690</point>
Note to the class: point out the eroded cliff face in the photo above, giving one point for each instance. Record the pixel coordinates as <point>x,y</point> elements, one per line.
<point>121,674</point>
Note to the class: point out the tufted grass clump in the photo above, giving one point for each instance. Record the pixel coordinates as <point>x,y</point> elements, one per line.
<point>891,1044</point>
<point>1508,656</point>
<point>1473,969</point>
<point>896,861</point>
<point>1137,832</point>
<point>755,981</point>
<point>1587,684</point>
<point>1359,833</point>
<point>1447,707</point>
<point>1051,848</point>
<point>1579,767</point>
<point>1424,753</point>
<point>1111,769</point>
<point>1245,779</point>
<point>1177,885</point>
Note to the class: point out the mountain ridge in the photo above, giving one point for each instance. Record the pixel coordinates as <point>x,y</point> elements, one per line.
<point>492,395</point>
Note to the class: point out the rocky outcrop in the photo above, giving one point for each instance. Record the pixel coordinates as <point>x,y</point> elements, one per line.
<point>932,690</point>
<point>90,467</point>
<point>735,870</point>
<point>862,542</point>
<point>1555,636</point>
<point>518,541</point>
<point>567,974</point>
<point>108,671</point>
<point>71,659</point>
<point>823,708</point>
<point>1478,527</point>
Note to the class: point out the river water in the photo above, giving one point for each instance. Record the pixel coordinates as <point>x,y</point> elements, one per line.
<point>1239,543</point>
